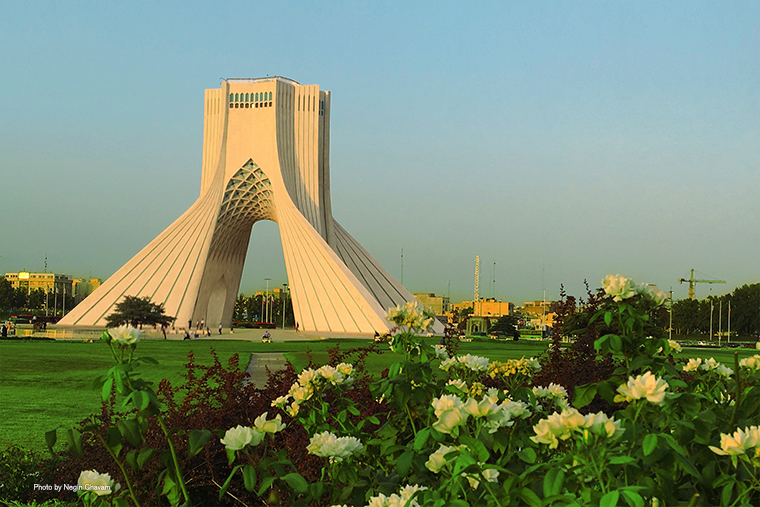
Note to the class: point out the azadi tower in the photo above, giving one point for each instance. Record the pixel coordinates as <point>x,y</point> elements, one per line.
<point>266,156</point>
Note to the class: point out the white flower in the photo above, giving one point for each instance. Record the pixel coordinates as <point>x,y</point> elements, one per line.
<point>475,363</point>
<point>516,409</point>
<point>709,364</point>
<point>652,293</point>
<point>441,352</point>
<point>437,460</point>
<point>101,484</point>
<point>675,346</point>
<point>753,363</point>
<point>270,426</point>
<point>448,363</point>
<point>403,499</point>
<point>306,377</point>
<point>490,474</point>
<point>757,345</point>
<point>551,391</point>
<point>482,408</point>
<point>534,364</point>
<point>345,368</point>
<point>618,287</point>
<point>450,412</point>
<point>693,364</point>
<point>459,384</point>
<point>739,442</point>
<point>328,445</point>
<point>600,424</point>
<point>724,371</point>
<point>238,437</point>
<point>330,374</point>
<point>644,386</point>
<point>125,334</point>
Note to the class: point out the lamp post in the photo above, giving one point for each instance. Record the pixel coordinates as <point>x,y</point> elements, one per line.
<point>284,294</point>
<point>266,298</point>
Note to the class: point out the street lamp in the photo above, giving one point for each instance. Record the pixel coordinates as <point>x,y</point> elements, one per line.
<point>284,293</point>
<point>266,298</point>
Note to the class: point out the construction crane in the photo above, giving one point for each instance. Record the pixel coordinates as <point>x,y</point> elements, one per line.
<point>476,297</point>
<point>692,281</point>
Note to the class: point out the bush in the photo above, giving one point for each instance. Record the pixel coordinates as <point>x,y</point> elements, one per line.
<point>20,470</point>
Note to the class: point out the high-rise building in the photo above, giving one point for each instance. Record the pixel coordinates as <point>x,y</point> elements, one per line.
<point>266,156</point>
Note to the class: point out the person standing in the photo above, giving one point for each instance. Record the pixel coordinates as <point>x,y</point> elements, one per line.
<point>220,328</point>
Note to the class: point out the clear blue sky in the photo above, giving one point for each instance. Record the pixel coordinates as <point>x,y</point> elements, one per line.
<point>561,140</point>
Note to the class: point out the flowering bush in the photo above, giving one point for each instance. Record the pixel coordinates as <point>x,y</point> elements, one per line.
<point>441,429</point>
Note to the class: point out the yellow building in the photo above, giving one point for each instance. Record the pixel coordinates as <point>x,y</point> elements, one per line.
<point>83,287</point>
<point>439,304</point>
<point>44,281</point>
<point>487,307</point>
<point>540,314</point>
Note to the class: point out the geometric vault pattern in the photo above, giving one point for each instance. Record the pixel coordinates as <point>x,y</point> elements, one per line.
<point>266,156</point>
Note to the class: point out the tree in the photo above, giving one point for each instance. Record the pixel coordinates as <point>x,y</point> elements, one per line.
<point>138,312</point>
<point>506,324</point>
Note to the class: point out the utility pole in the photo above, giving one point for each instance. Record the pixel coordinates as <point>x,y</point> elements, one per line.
<point>711,318</point>
<point>720,321</point>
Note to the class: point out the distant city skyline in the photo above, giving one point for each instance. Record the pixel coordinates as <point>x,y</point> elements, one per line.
<point>564,141</point>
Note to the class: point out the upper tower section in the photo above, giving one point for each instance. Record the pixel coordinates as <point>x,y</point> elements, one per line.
<point>284,127</point>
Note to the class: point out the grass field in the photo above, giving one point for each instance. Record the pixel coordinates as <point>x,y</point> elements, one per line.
<point>46,384</point>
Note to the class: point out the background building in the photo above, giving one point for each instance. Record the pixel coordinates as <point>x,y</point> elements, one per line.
<point>44,281</point>
<point>439,304</point>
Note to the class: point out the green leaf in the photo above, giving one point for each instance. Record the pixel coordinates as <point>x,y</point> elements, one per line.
<point>476,446</point>
<point>145,454</point>
<point>616,343</point>
<point>404,463</point>
<point>530,497</point>
<point>113,437</point>
<point>421,439</point>
<point>120,502</point>
<point>131,459</point>
<point>584,395</point>
<point>198,439</point>
<point>650,444</point>
<point>296,481</point>
<point>130,431</point>
<point>105,391</point>
<point>607,318</point>
<point>75,443</point>
<point>621,460</point>
<point>633,498</point>
<point>230,456</point>
<point>528,455</point>
<point>353,410</point>
<point>119,381</point>
<point>688,466</point>
<point>265,485</point>
<point>147,360</point>
<point>51,437</point>
<point>249,477</point>
<point>725,495</point>
<point>553,481</point>
<point>610,499</point>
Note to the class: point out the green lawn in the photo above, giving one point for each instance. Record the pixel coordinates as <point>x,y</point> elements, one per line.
<point>44,384</point>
